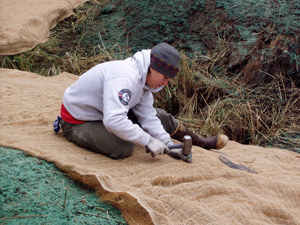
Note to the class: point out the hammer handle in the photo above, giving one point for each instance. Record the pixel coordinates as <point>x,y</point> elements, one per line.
<point>175,146</point>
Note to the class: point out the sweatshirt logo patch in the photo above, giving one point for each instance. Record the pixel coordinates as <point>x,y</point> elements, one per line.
<point>124,96</point>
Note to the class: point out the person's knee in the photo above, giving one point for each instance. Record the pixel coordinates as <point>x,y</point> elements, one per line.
<point>167,120</point>
<point>161,113</point>
<point>126,150</point>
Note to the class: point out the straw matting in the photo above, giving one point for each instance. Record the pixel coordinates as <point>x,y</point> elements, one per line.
<point>26,23</point>
<point>150,190</point>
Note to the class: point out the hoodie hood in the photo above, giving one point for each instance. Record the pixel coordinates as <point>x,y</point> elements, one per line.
<point>143,59</point>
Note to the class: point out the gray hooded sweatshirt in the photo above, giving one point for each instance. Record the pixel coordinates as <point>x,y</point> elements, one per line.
<point>107,91</point>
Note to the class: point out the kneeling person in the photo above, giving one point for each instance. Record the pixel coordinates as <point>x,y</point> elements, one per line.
<point>109,108</point>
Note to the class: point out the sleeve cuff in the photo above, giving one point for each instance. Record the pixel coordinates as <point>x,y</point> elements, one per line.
<point>145,139</point>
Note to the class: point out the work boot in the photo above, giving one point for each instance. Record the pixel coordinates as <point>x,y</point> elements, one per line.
<point>214,142</point>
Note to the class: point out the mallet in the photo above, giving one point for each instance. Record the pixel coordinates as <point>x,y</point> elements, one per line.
<point>186,145</point>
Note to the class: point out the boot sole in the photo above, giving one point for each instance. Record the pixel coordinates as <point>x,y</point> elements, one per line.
<point>222,141</point>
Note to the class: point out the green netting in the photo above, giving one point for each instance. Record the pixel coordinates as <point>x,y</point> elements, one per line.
<point>34,191</point>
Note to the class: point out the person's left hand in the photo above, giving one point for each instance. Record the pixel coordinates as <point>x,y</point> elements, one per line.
<point>177,153</point>
<point>156,147</point>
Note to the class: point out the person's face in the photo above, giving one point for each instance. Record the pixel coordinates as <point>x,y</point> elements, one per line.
<point>156,79</point>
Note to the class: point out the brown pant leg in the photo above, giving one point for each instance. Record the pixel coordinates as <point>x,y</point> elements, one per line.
<point>95,137</point>
<point>169,123</point>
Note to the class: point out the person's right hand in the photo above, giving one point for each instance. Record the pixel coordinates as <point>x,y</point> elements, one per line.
<point>156,147</point>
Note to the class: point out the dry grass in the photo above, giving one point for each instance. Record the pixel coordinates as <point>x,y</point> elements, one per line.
<point>211,104</point>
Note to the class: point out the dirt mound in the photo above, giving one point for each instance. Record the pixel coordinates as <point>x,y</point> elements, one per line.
<point>257,38</point>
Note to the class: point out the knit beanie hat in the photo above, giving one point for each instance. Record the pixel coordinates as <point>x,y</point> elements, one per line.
<point>165,59</point>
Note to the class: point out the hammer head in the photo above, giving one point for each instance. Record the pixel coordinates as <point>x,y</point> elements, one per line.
<point>187,145</point>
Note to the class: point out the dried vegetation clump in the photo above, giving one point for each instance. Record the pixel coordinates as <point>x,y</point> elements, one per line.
<point>265,113</point>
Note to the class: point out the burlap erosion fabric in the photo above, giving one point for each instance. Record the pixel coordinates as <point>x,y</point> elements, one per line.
<point>150,190</point>
<point>26,23</point>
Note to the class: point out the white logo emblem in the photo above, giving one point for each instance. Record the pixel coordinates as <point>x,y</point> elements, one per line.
<point>124,96</point>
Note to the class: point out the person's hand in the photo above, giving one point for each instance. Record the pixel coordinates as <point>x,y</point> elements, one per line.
<point>177,153</point>
<point>170,143</point>
<point>156,147</point>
